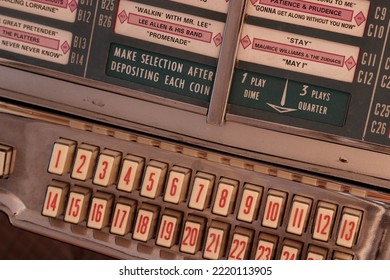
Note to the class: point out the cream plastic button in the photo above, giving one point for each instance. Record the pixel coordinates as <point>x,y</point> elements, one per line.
<point>100,211</point>
<point>55,199</point>
<point>192,235</point>
<point>177,184</point>
<point>323,224</point>
<point>123,216</point>
<point>107,168</point>
<point>240,247</point>
<point>145,223</point>
<point>349,227</point>
<point>131,173</point>
<point>274,209</point>
<point>266,247</point>
<point>299,215</point>
<point>153,181</point>
<point>226,195</point>
<point>61,156</point>
<point>201,191</point>
<point>169,229</point>
<point>249,203</point>
<point>76,210</point>
<point>84,162</point>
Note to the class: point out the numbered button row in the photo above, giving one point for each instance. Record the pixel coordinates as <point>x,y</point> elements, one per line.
<point>122,217</point>
<point>80,161</point>
<point>298,216</point>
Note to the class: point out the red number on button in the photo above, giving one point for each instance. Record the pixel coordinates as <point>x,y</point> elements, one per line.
<point>191,237</point>
<point>127,177</point>
<point>324,229</point>
<point>273,211</point>
<point>143,224</point>
<point>201,186</point>
<point>297,222</point>
<point>222,200</point>
<point>238,244</point>
<point>288,256</point>
<point>347,235</point>
<point>124,214</point>
<point>167,230</point>
<point>248,204</point>
<point>97,212</point>
<point>149,187</point>
<point>52,203</point>
<point>83,160</point>
<point>75,203</point>
<point>173,189</point>
<point>215,240</point>
<point>264,251</point>
<point>58,158</point>
<point>102,174</point>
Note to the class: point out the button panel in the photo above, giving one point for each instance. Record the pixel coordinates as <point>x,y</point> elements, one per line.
<point>197,214</point>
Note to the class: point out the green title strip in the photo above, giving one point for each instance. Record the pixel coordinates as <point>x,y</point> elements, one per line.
<point>288,97</point>
<point>170,74</point>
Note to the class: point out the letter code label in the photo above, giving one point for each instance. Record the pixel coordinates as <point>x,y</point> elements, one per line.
<point>273,211</point>
<point>265,250</point>
<point>122,219</point>
<point>99,213</point>
<point>323,223</point>
<point>239,247</point>
<point>249,205</point>
<point>200,194</point>
<point>190,240</point>
<point>77,207</point>
<point>35,40</point>
<point>294,52</point>
<point>54,201</point>
<point>168,231</point>
<point>106,169</point>
<point>177,186</point>
<point>61,158</point>
<point>214,242</point>
<point>289,253</point>
<point>224,199</point>
<point>64,10</point>
<point>143,227</point>
<point>169,28</point>
<point>130,174</point>
<point>153,181</point>
<point>349,228</point>
<point>213,5</point>
<point>84,162</point>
